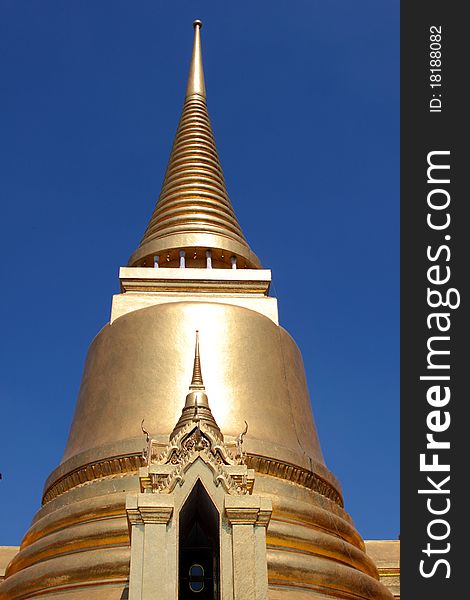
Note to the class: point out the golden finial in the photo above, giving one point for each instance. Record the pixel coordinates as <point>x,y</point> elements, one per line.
<point>197,382</point>
<point>196,408</point>
<point>196,83</point>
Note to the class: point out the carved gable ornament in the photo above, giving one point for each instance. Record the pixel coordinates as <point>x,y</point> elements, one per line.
<point>197,440</point>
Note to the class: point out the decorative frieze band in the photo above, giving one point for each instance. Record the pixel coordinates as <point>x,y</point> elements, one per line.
<point>110,467</point>
<point>125,465</point>
<point>290,472</point>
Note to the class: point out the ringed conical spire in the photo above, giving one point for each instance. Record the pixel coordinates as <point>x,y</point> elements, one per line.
<point>194,217</point>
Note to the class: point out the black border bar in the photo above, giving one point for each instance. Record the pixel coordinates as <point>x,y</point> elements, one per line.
<point>435,267</point>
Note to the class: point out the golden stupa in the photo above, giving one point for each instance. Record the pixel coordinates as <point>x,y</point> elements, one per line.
<point>231,498</point>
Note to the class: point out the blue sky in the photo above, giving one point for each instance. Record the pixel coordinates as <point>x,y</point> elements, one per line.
<point>304,102</point>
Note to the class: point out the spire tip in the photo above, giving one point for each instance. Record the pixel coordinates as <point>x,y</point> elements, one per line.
<point>196,71</point>
<point>197,374</point>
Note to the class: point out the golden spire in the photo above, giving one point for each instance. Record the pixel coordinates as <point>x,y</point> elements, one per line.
<point>196,408</point>
<point>194,213</point>
<point>197,382</point>
<point>196,83</point>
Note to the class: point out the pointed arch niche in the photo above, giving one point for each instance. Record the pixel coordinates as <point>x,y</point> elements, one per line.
<point>195,496</point>
<point>199,547</point>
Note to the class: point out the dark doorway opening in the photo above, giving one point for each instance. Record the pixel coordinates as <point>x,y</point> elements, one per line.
<point>199,547</point>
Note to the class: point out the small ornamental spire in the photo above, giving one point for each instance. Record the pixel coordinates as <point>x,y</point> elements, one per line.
<point>196,83</point>
<point>196,408</point>
<point>197,382</point>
